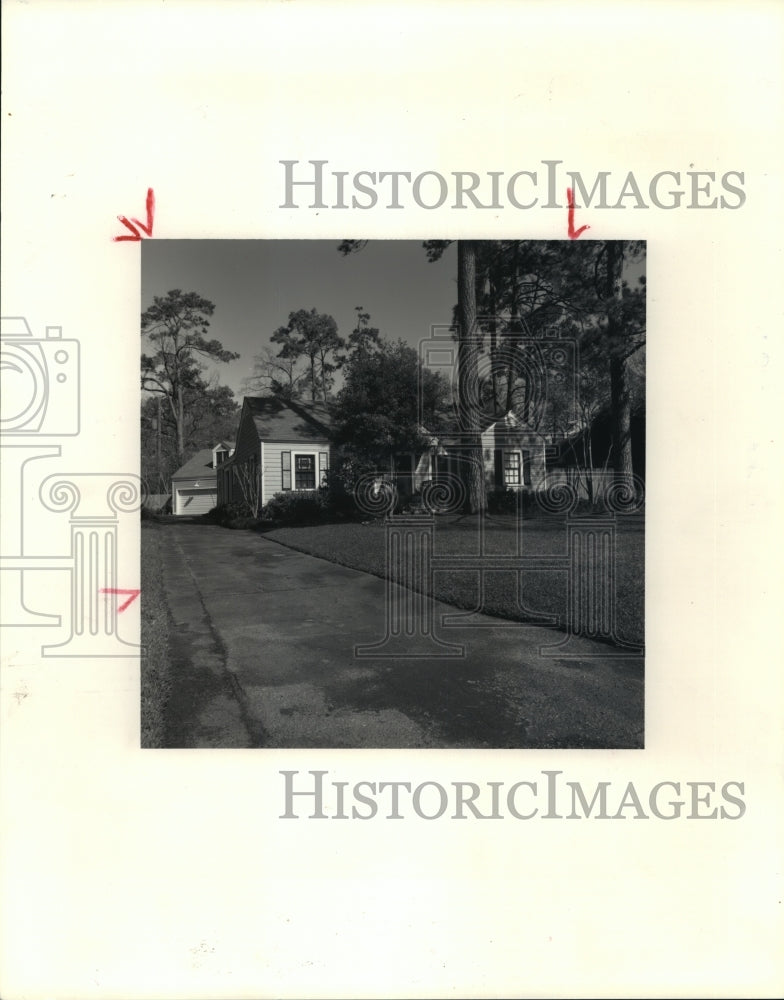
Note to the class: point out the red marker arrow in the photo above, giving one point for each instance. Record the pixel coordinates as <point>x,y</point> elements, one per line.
<point>133,223</point>
<point>113,590</point>
<point>573,233</point>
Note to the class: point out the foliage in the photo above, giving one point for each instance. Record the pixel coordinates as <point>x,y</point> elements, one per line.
<point>349,468</point>
<point>338,489</point>
<point>314,337</point>
<point>226,514</point>
<point>515,293</point>
<point>176,327</point>
<point>298,507</point>
<point>246,476</point>
<point>211,415</point>
<point>363,337</point>
<point>502,501</point>
<point>377,410</point>
<point>276,375</point>
<point>530,290</point>
<point>155,666</point>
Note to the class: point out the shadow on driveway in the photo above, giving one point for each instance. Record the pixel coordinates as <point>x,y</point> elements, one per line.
<point>273,631</point>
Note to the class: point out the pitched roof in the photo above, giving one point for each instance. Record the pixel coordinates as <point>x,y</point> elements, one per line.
<point>284,420</point>
<point>450,426</point>
<point>199,465</point>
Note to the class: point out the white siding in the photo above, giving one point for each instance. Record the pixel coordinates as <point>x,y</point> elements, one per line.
<point>272,481</point>
<point>506,436</point>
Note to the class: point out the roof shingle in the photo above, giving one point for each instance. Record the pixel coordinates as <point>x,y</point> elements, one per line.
<point>199,465</point>
<point>284,420</point>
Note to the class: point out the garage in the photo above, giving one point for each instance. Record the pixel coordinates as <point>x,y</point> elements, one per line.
<point>196,501</point>
<point>195,485</point>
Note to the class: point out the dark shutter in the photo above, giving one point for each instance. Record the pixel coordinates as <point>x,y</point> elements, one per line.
<point>499,469</point>
<point>526,468</point>
<point>285,470</point>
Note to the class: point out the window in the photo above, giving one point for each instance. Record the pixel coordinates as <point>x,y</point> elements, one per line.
<point>299,470</point>
<point>305,472</point>
<point>512,468</point>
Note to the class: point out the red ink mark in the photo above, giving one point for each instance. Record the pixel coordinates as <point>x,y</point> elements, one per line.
<point>131,224</point>
<point>113,590</point>
<point>573,233</point>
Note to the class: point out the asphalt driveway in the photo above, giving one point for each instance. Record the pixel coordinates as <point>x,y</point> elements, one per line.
<point>264,653</point>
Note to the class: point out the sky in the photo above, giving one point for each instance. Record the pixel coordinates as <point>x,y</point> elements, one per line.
<point>255,284</point>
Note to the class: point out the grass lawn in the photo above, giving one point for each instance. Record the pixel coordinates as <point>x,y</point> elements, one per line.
<point>363,547</point>
<point>156,682</point>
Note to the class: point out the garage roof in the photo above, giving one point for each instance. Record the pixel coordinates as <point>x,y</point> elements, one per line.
<point>199,465</point>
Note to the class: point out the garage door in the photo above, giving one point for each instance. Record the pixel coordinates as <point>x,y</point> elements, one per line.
<point>196,501</point>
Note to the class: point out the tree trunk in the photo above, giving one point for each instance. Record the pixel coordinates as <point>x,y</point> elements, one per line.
<point>588,470</point>
<point>322,364</point>
<point>180,425</point>
<point>620,402</point>
<point>468,377</point>
<point>515,330</point>
<point>622,419</point>
<point>161,487</point>
<point>493,342</point>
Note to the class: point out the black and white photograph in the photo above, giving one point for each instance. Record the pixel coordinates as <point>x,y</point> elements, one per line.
<point>395,494</point>
<point>380,378</point>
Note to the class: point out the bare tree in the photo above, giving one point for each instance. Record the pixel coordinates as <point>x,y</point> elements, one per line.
<point>247,478</point>
<point>277,375</point>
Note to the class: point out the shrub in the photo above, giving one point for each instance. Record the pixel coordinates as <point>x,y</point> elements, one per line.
<point>504,501</point>
<point>338,496</point>
<point>241,523</point>
<point>225,513</point>
<point>297,507</point>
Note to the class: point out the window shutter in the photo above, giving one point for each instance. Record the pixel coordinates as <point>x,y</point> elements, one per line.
<point>285,470</point>
<point>499,469</point>
<point>323,467</point>
<point>526,468</point>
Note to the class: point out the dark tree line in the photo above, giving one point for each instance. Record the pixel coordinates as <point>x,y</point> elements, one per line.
<point>513,298</point>
<point>513,293</point>
<point>182,411</point>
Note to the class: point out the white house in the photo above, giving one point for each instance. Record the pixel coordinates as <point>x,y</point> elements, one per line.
<point>195,485</point>
<point>514,457</point>
<point>281,445</point>
<point>284,445</point>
